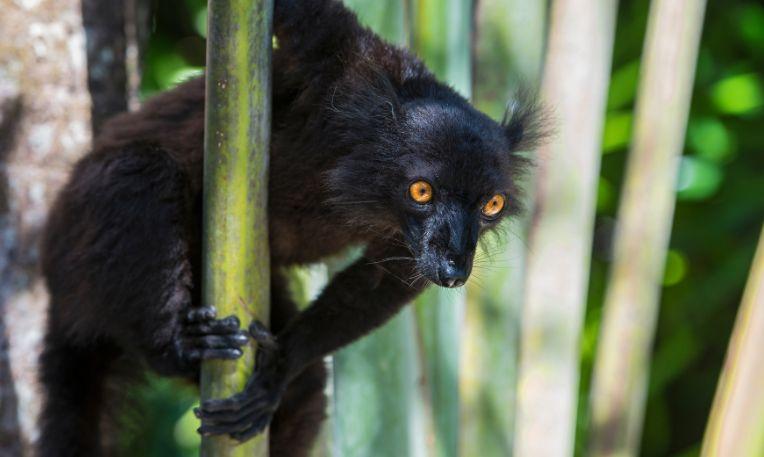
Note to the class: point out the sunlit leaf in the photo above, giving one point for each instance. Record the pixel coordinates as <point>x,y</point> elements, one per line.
<point>605,195</point>
<point>185,433</point>
<point>676,268</point>
<point>183,74</point>
<point>698,178</point>
<point>617,134</point>
<point>200,22</point>
<point>623,85</point>
<point>739,94</point>
<point>710,139</point>
<point>751,24</point>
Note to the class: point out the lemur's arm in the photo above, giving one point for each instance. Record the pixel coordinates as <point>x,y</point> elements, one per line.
<point>359,299</point>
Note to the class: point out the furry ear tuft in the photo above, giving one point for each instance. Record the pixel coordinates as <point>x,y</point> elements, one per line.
<point>526,122</point>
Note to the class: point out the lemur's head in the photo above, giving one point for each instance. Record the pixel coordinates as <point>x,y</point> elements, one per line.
<point>432,169</point>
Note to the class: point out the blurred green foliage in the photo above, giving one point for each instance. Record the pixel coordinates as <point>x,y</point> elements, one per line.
<point>718,216</point>
<point>720,207</point>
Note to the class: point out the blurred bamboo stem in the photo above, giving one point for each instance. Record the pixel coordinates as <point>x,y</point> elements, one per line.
<point>236,276</point>
<point>575,87</point>
<point>736,425</point>
<point>644,226</point>
<point>509,45</point>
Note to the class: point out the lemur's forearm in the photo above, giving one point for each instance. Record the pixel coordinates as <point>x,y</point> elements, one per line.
<point>359,299</point>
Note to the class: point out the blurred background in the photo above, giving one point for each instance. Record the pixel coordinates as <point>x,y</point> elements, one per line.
<point>442,378</point>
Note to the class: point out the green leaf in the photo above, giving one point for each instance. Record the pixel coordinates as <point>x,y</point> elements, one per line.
<point>623,85</point>
<point>739,94</point>
<point>676,268</point>
<point>618,126</point>
<point>710,139</point>
<point>698,178</point>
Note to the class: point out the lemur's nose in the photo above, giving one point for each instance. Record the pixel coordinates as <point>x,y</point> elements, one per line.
<point>454,272</point>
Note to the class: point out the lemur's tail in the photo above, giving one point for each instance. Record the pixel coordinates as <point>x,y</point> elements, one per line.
<point>72,378</point>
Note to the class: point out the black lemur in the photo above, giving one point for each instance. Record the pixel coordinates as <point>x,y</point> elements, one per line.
<point>368,148</point>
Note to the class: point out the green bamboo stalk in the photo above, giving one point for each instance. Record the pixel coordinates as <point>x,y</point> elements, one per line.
<point>236,276</point>
<point>508,51</point>
<point>644,226</point>
<point>575,86</point>
<point>736,425</point>
<point>442,37</point>
<point>377,409</point>
<point>376,406</point>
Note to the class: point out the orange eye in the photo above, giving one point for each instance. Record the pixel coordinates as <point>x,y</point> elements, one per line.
<point>421,192</point>
<point>494,205</point>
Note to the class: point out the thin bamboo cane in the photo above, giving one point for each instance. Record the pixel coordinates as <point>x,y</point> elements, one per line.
<point>644,226</point>
<point>508,50</point>
<point>736,425</point>
<point>574,87</point>
<point>236,276</point>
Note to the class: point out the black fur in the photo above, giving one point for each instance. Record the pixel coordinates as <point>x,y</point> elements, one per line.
<point>355,121</point>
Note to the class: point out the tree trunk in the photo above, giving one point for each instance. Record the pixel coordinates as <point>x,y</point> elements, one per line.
<point>49,57</point>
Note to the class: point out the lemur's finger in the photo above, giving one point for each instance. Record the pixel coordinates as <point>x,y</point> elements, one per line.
<point>234,415</point>
<point>222,404</point>
<point>201,314</point>
<point>234,341</point>
<point>208,430</point>
<point>225,407</point>
<point>262,335</point>
<point>228,326</point>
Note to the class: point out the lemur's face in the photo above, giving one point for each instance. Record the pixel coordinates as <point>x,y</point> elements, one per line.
<point>440,177</point>
<point>456,184</point>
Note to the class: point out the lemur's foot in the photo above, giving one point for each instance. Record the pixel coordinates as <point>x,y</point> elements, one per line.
<point>204,337</point>
<point>249,412</point>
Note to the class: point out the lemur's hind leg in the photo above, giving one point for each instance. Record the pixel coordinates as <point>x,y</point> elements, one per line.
<point>73,378</point>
